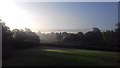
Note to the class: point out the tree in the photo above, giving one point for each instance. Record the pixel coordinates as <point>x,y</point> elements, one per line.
<point>95,29</point>
<point>72,38</point>
<point>94,35</point>
<point>98,33</point>
<point>117,31</point>
<point>64,34</point>
<point>109,38</point>
<point>112,37</point>
<point>7,35</point>
<point>59,36</point>
<point>89,36</point>
<point>81,36</point>
<point>19,35</point>
<point>25,35</point>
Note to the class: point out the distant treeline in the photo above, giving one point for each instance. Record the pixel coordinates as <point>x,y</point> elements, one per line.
<point>25,38</point>
<point>94,38</point>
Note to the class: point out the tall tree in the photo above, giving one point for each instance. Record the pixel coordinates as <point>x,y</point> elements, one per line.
<point>7,35</point>
<point>94,35</point>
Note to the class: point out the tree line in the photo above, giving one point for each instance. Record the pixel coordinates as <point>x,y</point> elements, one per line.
<point>95,38</point>
<point>17,39</point>
<point>25,38</point>
<point>109,37</point>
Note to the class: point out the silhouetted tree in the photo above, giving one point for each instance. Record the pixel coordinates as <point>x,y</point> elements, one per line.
<point>7,37</point>
<point>94,35</point>
<point>81,36</point>
<point>19,35</point>
<point>25,35</point>
<point>112,37</point>
<point>6,33</point>
<point>64,34</point>
<point>117,30</point>
<point>109,38</point>
<point>59,36</point>
<point>72,38</point>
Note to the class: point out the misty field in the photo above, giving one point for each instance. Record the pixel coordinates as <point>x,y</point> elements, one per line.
<point>52,56</point>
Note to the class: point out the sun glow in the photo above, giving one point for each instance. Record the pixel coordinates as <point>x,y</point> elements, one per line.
<point>14,16</point>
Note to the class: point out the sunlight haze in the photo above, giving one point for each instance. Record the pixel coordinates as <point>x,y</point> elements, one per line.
<point>50,16</point>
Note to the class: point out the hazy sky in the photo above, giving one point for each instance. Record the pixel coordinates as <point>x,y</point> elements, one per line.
<point>73,15</point>
<point>62,15</point>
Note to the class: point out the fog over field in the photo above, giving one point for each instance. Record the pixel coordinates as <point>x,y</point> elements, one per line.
<point>60,33</point>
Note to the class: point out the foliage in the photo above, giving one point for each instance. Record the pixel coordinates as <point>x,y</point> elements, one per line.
<point>59,36</point>
<point>91,40</point>
<point>6,33</point>
<point>94,35</point>
<point>25,35</point>
<point>112,37</point>
<point>16,39</point>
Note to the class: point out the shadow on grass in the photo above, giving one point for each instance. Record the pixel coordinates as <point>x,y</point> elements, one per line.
<point>60,57</point>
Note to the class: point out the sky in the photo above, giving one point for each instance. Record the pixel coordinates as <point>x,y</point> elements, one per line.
<point>69,16</point>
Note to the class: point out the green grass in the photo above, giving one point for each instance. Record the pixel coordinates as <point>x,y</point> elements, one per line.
<point>110,56</point>
<point>61,56</point>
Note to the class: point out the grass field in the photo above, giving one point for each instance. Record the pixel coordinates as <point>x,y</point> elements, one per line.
<point>51,56</point>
